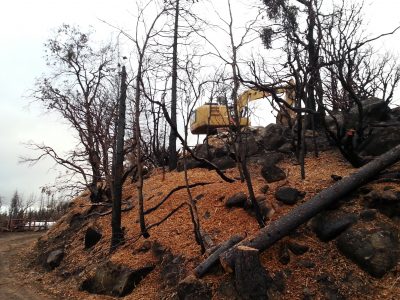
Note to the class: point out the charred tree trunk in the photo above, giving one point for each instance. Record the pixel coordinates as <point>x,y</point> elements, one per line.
<point>266,237</point>
<point>173,157</point>
<point>139,162</point>
<point>251,279</point>
<point>213,258</point>
<point>117,235</point>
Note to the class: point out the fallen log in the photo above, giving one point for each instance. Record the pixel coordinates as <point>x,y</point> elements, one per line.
<point>278,229</point>
<point>213,258</point>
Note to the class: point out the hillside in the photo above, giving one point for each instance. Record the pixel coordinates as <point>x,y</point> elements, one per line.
<point>321,272</point>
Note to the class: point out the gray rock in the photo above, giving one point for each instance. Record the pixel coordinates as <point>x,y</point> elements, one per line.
<point>272,173</point>
<point>288,195</point>
<point>328,225</point>
<point>373,250</point>
<point>54,258</point>
<point>115,280</point>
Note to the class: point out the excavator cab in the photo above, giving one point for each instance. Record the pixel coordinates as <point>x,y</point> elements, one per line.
<point>210,116</point>
<point>207,118</point>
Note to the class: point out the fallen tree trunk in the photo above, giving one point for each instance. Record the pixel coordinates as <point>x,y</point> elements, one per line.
<point>267,236</point>
<point>213,258</point>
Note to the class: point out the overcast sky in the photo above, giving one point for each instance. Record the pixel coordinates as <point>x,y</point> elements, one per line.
<point>24,27</point>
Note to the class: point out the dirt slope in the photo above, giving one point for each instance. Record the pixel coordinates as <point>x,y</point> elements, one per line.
<point>319,270</point>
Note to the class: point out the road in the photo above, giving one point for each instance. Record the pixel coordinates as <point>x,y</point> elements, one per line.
<point>11,287</point>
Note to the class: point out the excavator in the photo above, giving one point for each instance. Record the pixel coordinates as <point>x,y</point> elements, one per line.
<point>211,116</point>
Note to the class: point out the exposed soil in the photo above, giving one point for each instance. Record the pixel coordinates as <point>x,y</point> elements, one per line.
<point>12,284</point>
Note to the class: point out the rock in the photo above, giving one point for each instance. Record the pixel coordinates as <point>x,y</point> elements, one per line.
<point>172,270</point>
<point>371,249</point>
<point>272,173</point>
<point>297,249</point>
<point>54,258</point>
<point>221,152</point>
<point>328,225</point>
<point>278,281</point>
<point>284,255</point>
<point>224,163</point>
<point>286,148</point>
<point>226,290</point>
<point>368,215</point>
<point>305,263</point>
<point>250,145</point>
<point>146,246</point>
<point>336,177</point>
<point>386,201</point>
<point>192,288</point>
<point>190,164</point>
<point>266,159</point>
<point>264,189</point>
<point>274,135</point>
<point>288,195</point>
<point>380,140</point>
<point>201,151</point>
<point>115,280</point>
<point>236,200</point>
<point>329,288</point>
<point>92,237</point>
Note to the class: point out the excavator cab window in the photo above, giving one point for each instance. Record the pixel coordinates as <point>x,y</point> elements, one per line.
<point>192,117</point>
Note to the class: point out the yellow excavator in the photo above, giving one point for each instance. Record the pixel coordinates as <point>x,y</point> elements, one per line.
<point>211,116</point>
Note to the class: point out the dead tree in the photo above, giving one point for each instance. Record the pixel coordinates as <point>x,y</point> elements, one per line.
<point>78,88</point>
<point>117,235</point>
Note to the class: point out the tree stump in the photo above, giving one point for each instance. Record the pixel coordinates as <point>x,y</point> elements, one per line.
<point>251,279</point>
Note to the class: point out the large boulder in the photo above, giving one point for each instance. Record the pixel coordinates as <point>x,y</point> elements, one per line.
<point>115,280</point>
<point>373,249</point>
<point>329,224</point>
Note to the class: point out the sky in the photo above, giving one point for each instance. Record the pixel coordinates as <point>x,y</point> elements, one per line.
<point>24,27</point>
